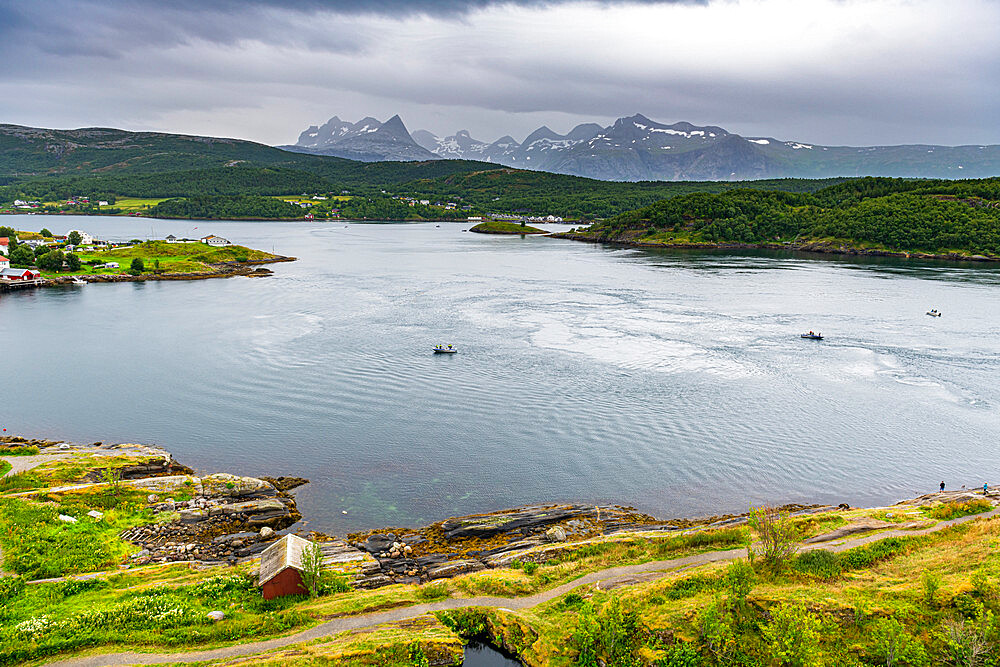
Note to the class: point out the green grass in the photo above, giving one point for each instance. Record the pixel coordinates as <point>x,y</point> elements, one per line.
<point>19,450</point>
<point>948,511</point>
<point>131,204</point>
<point>502,227</point>
<point>173,258</point>
<point>37,545</point>
<point>4,467</point>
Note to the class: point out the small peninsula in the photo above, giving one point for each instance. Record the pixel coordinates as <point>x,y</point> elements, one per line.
<point>118,554</point>
<point>43,259</point>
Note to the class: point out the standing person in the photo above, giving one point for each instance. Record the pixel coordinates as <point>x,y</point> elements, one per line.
<point>984,488</point>
<point>942,487</point>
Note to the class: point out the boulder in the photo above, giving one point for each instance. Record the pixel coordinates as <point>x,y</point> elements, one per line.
<point>66,519</point>
<point>266,533</point>
<point>94,514</point>
<point>193,516</point>
<point>555,534</point>
<point>378,543</point>
<point>235,486</point>
<point>216,615</point>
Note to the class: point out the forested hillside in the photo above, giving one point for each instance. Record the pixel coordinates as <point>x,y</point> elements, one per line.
<point>898,215</point>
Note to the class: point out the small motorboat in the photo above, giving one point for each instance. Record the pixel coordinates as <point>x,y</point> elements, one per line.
<point>445,349</point>
<point>812,336</point>
<point>934,312</point>
<point>77,280</point>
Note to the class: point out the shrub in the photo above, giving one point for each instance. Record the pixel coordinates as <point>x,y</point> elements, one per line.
<point>966,643</point>
<point>680,655</point>
<point>740,580</point>
<point>947,511</point>
<point>436,591</point>
<point>931,582</point>
<point>793,637</point>
<point>716,632</point>
<point>137,266</point>
<point>466,623</point>
<point>875,552</point>
<point>611,637</point>
<point>776,534</point>
<point>334,583</point>
<point>819,563</point>
<point>10,588</point>
<point>893,645</point>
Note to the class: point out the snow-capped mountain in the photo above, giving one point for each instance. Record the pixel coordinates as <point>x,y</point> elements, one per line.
<point>368,140</point>
<point>636,148</point>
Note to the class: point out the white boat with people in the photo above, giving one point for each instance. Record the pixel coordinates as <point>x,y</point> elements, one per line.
<point>445,349</point>
<point>812,335</point>
<point>934,312</point>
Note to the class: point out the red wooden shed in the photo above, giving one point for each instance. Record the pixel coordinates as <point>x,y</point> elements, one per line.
<point>281,568</point>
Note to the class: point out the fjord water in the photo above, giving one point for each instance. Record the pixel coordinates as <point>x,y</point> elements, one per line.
<point>672,381</point>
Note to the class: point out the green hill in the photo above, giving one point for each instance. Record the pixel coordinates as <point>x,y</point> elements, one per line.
<point>867,214</point>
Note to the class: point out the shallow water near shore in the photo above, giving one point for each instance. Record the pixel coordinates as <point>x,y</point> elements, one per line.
<point>673,381</point>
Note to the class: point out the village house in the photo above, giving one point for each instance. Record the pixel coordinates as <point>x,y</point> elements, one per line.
<point>281,568</point>
<point>4,245</point>
<point>16,275</point>
<point>214,240</point>
<point>85,238</point>
<point>4,262</point>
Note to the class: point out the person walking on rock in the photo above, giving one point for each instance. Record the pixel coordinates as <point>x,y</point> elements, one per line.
<point>942,487</point>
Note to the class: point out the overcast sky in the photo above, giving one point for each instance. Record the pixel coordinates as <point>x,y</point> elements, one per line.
<point>824,71</point>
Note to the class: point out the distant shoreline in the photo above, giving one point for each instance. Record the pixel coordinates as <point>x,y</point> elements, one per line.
<point>811,247</point>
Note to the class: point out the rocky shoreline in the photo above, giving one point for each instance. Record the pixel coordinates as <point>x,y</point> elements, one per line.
<point>224,519</point>
<point>820,247</point>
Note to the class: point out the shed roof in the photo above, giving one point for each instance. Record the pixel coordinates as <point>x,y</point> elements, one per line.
<point>285,553</point>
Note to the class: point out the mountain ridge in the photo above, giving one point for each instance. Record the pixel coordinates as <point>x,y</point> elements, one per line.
<point>637,148</point>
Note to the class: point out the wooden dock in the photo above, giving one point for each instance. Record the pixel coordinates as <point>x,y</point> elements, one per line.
<point>19,284</point>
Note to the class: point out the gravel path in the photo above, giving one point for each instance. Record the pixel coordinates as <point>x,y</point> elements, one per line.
<point>607,577</point>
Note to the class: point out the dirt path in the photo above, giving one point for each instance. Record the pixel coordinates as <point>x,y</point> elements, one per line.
<point>606,577</point>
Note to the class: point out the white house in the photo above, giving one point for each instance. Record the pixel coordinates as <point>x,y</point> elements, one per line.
<point>4,245</point>
<point>85,238</point>
<point>4,263</point>
<point>213,240</point>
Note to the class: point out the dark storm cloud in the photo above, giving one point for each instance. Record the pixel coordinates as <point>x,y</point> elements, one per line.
<point>826,71</point>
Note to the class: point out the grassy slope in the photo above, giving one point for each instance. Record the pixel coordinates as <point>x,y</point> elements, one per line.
<point>163,607</point>
<point>173,258</point>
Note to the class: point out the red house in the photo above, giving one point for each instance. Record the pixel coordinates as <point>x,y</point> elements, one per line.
<point>281,568</point>
<point>19,274</point>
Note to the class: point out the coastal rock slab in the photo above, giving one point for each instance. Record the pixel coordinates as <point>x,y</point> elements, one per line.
<point>223,484</point>
<point>455,568</point>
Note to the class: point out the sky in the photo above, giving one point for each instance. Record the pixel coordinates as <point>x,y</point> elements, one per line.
<point>835,72</point>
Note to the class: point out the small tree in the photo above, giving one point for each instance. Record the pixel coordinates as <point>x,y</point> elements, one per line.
<point>776,534</point>
<point>22,257</point>
<point>51,261</point>
<point>74,238</point>
<point>45,233</point>
<point>740,579</point>
<point>312,568</point>
<point>72,262</point>
<point>137,266</point>
<point>113,478</point>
